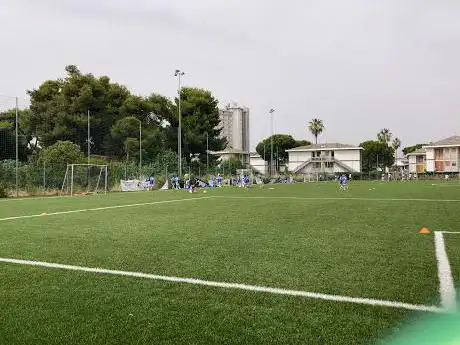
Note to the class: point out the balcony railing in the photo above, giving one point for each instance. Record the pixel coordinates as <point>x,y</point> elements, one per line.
<point>322,159</point>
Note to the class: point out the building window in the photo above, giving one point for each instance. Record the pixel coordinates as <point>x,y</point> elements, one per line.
<point>317,165</point>
<point>332,154</point>
<point>329,164</point>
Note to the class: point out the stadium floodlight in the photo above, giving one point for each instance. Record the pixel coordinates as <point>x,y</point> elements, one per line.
<point>85,179</point>
<point>178,73</point>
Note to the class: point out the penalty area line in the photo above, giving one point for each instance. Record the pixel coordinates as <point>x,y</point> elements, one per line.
<point>446,281</point>
<point>105,208</point>
<point>236,286</point>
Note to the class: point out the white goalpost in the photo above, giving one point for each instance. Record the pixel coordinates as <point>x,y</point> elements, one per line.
<point>85,179</point>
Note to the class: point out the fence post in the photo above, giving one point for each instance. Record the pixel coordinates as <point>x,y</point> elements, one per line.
<point>17,148</point>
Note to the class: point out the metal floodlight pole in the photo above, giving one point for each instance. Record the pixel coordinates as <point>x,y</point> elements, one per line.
<point>140,148</point>
<point>265,162</point>
<point>271,142</point>
<point>178,73</point>
<point>17,147</point>
<point>89,138</point>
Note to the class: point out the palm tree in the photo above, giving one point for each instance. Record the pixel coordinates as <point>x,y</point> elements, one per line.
<point>396,144</point>
<point>384,136</point>
<point>316,127</point>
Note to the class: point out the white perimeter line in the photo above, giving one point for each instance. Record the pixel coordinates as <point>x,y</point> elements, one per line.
<point>337,198</point>
<point>450,232</point>
<point>104,208</point>
<point>446,282</point>
<point>278,291</point>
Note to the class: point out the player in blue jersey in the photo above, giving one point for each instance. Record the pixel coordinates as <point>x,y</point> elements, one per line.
<point>219,181</point>
<point>246,181</point>
<point>343,182</point>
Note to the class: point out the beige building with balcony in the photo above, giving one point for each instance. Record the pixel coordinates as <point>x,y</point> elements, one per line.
<point>442,156</point>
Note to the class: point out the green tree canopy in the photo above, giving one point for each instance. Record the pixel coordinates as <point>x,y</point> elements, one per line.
<point>229,166</point>
<point>8,135</point>
<point>59,109</point>
<point>376,154</point>
<point>125,135</point>
<point>200,119</point>
<point>281,143</point>
<point>61,153</point>
<point>409,149</point>
<point>302,143</point>
<point>384,136</point>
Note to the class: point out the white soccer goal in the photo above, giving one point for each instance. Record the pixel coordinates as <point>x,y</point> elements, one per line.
<point>85,179</point>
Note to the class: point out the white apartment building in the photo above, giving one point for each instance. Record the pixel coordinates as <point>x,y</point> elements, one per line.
<point>235,126</point>
<point>442,156</point>
<point>234,120</point>
<point>331,158</point>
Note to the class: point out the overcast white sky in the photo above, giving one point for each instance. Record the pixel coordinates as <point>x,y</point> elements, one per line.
<point>360,65</point>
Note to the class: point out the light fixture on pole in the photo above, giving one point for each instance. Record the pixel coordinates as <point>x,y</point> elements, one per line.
<point>271,111</point>
<point>178,73</point>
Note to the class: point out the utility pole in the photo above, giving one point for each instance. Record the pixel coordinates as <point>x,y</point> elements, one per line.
<point>140,149</point>
<point>265,162</point>
<point>271,111</point>
<point>89,138</point>
<point>17,147</point>
<point>178,73</point>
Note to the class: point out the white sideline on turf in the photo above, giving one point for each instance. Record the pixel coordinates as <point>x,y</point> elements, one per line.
<point>337,198</point>
<point>105,208</point>
<point>256,288</point>
<point>446,281</point>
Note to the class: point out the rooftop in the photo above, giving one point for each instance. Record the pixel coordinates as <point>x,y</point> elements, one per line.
<point>418,152</point>
<point>327,146</point>
<point>229,151</point>
<point>451,141</point>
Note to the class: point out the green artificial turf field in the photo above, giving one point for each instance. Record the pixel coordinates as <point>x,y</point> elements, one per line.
<point>360,243</point>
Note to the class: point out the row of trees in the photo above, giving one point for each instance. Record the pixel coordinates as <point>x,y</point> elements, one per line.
<point>60,109</point>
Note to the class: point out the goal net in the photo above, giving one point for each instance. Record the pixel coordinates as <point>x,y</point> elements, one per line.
<point>84,179</point>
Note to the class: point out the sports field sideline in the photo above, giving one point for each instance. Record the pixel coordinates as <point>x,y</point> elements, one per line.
<point>296,264</point>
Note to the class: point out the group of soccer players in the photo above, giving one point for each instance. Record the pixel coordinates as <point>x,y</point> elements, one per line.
<point>240,181</point>
<point>191,184</point>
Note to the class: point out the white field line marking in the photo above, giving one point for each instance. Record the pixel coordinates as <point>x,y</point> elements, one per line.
<point>256,288</point>
<point>446,282</point>
<point>450,232</point>
<point>337,198</point>
<point>104,208</point>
